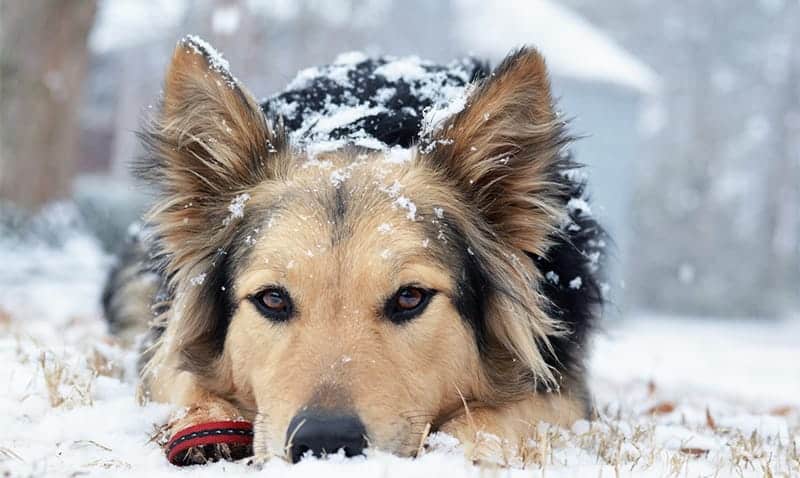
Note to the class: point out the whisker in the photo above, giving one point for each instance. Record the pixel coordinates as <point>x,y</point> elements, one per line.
<point>423,438</point>
<point>289,442</point>
<point>248,411</point>
<point>415,412</point>
<point>418,422</point>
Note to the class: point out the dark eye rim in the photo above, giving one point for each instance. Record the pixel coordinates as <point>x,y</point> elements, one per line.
<point>398,315</point>
<point>272,314</point>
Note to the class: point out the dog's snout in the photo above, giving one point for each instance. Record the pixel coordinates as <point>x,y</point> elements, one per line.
<point>325,433</point>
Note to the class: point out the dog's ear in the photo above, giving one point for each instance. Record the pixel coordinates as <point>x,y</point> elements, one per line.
<point>502,151</point>
<point>207,145</point>
<point>219,139</point>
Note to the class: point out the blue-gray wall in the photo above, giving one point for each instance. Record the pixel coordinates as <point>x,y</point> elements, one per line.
<point>607,116</point>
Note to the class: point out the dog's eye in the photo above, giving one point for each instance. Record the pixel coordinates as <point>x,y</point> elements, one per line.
<point>274,300</point>
<point>274,303</point>
<point>409,298</point>
<point>407,303</point>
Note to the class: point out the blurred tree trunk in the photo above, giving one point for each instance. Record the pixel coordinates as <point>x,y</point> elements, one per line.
<point>43,58</point>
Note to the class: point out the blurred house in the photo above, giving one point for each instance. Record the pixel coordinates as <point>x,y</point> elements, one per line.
<point>600,87</point>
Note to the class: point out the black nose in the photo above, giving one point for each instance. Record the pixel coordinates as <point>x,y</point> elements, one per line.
<point>324,433</point>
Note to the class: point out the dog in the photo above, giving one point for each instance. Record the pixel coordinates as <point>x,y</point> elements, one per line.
<point>385,249</point>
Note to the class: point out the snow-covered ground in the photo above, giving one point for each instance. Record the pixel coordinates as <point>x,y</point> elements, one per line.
<point>677,396</point>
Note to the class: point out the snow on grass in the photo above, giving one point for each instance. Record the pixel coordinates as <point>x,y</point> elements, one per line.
<point>683,397</point>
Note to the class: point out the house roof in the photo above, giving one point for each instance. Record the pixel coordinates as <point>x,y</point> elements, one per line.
<point>571,45</point>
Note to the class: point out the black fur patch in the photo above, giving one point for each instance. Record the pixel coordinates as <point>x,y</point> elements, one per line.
<point>218,292</point>
<point>473,284</point>
<point>404,100</point>
<point>338,208</point>
<point>471,295</point>
<point>572,284</point>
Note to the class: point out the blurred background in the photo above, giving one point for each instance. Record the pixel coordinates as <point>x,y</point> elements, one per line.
<point>689,113</point>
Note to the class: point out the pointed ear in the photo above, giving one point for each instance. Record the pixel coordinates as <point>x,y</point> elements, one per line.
<point>211,135</point>
<point>503,151</point>
<point>207,145</point>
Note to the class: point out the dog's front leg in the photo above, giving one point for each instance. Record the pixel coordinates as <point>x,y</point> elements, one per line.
<point>209,429</point>
<point>495,434</point>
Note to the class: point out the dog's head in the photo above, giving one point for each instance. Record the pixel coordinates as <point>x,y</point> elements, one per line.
<point>354,297</point>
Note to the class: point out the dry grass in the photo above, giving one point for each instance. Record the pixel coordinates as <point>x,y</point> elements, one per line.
<point>100,364</point>
<point>629,444</point>
<point>110,464</point>
<point>5,319</point>
<point>9,454</point>
<point>65,387</point>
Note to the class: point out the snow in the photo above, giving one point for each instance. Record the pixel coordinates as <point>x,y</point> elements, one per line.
<point>225,19</point>
<point>385,94</point>
<point>198,279</point>
<point>576,283</point>
<point>405,203</point>
<point>216,61</point>
<point>236,208</point>
<point>453,102</point>
<point>407,69</point>
<point>571,45</point>
<point>339,176</point>
<point>579,206</point>
<point>344,115</point>
<point>349,58</point>
<point>687,396</point>
<point>552,277</point>
<point>397,155</point>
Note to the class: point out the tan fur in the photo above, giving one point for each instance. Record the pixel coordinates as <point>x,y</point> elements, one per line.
<point>390,375</point>
<point>487,169</point>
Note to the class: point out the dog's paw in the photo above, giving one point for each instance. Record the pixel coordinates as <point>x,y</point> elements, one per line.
<point>207,433</point>
<point>482,447</point>
<point>202,454</point>
<point>210,442</point>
